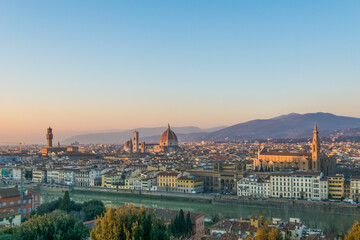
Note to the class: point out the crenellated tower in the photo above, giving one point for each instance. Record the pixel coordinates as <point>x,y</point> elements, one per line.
<point>315,150</point>
<point>49,137</point>
<point>135,141</point>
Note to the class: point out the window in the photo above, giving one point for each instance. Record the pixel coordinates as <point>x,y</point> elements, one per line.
<point>11,203</point>
<point>4,204</point>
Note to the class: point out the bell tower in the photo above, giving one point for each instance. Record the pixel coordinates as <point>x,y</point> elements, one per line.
<point>49,137</point>
<point>135,141</point>
<point>315,150</point>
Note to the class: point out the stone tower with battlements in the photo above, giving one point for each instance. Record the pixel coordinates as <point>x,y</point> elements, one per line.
<point>315,150</point>
<point>49,137</point>
<point>135,142</point>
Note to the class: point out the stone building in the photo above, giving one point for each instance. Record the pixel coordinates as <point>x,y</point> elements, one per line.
<point>10,201</point>
<point>222,178</point>
<point>168,143</point>
<point>284,161</point>
<point>49,149</point>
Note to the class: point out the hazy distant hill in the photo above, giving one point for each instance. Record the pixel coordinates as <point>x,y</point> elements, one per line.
<point>286,126</point>
<point>147,134</point>
<point>293,125</point>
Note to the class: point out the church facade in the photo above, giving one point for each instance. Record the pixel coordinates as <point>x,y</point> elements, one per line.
<point>273,161</point>
<point>168,143</point>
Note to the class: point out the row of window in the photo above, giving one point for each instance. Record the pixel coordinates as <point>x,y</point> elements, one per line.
<point>12,203</point>
<point>19,210</point>
<point>295,179</point>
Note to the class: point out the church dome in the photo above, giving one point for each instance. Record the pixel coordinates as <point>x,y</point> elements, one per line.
<point>168,138</point>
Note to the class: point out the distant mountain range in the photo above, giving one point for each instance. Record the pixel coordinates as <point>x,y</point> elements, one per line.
<point>145,134</point>
<point>292,125</point>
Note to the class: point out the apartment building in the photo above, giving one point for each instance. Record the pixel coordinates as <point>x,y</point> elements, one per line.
<point>190,184</point>
<point>253,186</point>
<point>167,181</point>
<point>53,176</point>
<point>111,180</point>
<point>281,185</point>
<point>10,201</point>
<point>355,189</point>
<point>336,186</point>
<point>39,176</point>
<point>299,185</point>
<point>68,177</point>
<point>87,177</point>
<point>309,185</point>
<point>149,184</point>
<point>16,174</point>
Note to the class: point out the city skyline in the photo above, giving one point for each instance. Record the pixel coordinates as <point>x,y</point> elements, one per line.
<point>152,131</point>
<point>123,65</point>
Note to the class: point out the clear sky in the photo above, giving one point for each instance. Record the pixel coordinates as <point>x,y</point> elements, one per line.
<point>97,65</point>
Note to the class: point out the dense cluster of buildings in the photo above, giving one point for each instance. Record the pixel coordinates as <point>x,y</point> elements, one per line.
<point>312,170</point>
<point>243,228</point>
<point>308,170</point>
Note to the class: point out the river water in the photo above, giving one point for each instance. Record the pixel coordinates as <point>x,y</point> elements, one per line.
<point>321,219</point>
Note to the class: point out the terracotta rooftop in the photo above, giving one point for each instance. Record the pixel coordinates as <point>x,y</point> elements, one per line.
<point>275,153</point>
<point>9,192</point>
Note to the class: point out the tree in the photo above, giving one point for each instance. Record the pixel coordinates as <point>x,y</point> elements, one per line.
<point>7,233</point>
<point>128,223</point>
<point>28,174</point>
<point>65,202</point>
<point>274,234</point>
<point>92,209</point>
<point>179,227</point>
<point>354,233</point>
<point>182,222</point>
<point>266,233</point>
<point>52,226</point>
<point>189,228</point>
<point>215,218</point>
<point>49,207</point>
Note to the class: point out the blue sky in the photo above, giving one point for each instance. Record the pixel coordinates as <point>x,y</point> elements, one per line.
<point>96,65</point>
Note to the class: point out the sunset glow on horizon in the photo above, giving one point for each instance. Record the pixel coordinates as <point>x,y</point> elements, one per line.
<point>125,65</point>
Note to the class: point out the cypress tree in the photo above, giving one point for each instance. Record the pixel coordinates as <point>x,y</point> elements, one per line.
<point>65,202</point>
<point>189,229</point>
<point>182,223</point>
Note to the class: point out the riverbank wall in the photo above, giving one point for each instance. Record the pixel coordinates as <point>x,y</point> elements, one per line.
<point>324,206</point>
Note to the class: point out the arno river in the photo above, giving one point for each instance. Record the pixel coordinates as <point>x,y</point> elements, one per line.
<point>314,219</point>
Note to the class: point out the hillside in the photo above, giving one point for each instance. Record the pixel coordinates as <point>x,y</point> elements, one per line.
<point>286,126</point>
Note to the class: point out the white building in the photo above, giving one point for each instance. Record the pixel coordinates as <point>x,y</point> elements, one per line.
<point>148,184</point>
<point>281,185</point>
<point>69,177</point>
<point>39,175</point>
<point>95,178</point>
<point>82,178</point>
<point>16,174</point>
<point>53,176</point>
<point>6,216</point>
<point>355,189</point>
<point>299,185</point>
<point>251,186</point>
